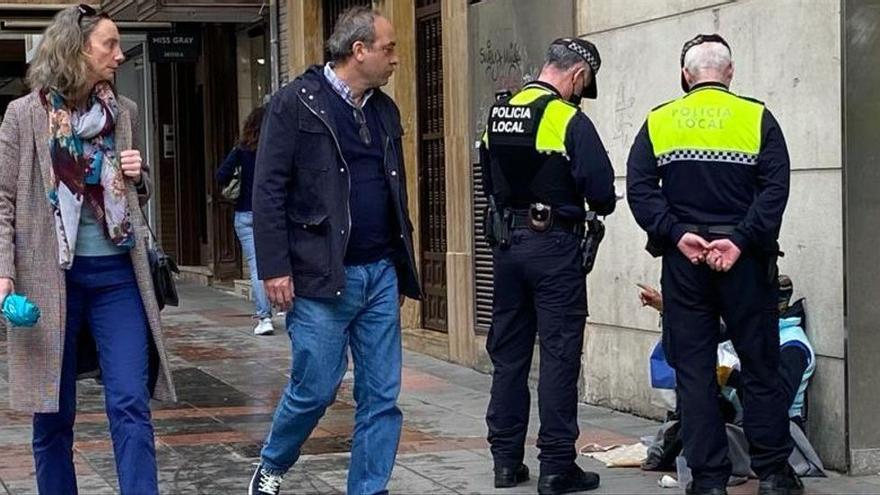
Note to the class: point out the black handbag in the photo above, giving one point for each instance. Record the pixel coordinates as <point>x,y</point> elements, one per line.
<point>162,270</point>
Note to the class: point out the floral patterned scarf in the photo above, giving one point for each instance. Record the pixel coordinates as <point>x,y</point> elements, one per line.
<point>86,169</point>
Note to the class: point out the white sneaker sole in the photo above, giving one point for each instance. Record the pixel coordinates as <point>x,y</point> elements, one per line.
<point>251,484</point>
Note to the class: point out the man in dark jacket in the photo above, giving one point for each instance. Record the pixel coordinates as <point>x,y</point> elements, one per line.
<point>332,229</point>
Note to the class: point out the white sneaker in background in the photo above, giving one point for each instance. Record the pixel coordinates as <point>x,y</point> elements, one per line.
<point>264,327</point>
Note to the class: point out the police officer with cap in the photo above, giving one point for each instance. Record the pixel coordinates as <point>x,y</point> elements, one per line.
<point>541,158</point>
<point>708,180</point>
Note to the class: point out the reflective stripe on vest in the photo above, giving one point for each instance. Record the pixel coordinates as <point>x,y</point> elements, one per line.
<point>707,124</point>
<point>550,137</point>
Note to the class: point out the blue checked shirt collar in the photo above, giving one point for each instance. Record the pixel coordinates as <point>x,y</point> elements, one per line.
<point>342,89</point>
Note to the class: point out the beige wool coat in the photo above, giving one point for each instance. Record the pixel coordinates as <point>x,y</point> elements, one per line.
<point>29,255</point>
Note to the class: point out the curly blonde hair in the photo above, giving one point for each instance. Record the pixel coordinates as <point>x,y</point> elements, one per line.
<point>60,62</point>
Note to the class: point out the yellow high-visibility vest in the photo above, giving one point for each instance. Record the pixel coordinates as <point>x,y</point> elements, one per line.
<point>550,137</point>
<point>707,124</point>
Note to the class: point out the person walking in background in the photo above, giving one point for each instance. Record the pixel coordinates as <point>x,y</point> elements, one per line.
<point>72,239</point>
<point>332,229</point>
<point>239,165</point>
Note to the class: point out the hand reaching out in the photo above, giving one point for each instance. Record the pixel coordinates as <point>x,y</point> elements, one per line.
<point>650,297</point>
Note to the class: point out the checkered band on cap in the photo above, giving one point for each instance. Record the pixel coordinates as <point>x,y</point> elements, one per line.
<point>734,157</point>
<point>585,54</point>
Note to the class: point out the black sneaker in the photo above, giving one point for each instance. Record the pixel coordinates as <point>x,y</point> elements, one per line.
<point>506,477</point>
<point>575,480</point>
<point>693,490</point>
<point>784,483</point>
<point>264,483</point>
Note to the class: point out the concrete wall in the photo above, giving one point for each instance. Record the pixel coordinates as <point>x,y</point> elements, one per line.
<point>799,77</point>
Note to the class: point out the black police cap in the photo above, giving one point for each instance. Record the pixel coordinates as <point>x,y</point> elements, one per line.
<point>589,53</point>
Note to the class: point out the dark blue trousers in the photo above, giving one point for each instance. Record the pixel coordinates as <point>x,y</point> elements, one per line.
<point>102,295</point>
<point>695,298</point>
<point>540,289</point>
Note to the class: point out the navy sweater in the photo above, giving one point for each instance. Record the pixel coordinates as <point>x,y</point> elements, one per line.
<point>372,226</point>
<point>246,158</point>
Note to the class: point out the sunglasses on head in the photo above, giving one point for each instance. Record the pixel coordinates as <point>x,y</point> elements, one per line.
<point>88,11</point>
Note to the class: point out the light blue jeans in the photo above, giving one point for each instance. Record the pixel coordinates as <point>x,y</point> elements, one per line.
<point>365,318</point>
<point>244,229</point>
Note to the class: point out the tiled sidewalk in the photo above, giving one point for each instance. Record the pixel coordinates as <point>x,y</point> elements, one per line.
<point>229,381</point>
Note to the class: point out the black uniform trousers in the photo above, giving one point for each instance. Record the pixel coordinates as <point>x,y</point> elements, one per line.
<point>694,298</point>
<point>540,288</point>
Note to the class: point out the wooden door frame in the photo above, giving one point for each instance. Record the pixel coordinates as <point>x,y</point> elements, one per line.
<point>221,132</point>
<point>432,183</point>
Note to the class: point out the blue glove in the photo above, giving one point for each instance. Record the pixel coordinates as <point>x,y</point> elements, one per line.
<point>20,311</point>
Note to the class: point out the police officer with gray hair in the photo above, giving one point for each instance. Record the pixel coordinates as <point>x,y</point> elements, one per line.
<point>541,159</point>
<point>708,180</point>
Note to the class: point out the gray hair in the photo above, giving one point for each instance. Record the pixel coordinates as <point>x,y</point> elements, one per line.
<point>710,56</point>
<point>561,57</point>
<point>60,62</point>
<point>353,25</point>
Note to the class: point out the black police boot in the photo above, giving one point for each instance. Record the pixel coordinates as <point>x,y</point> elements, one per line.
<point>575,480</point>
<point>693,490</point>
<point>508,477</point>
<point>784,483</point>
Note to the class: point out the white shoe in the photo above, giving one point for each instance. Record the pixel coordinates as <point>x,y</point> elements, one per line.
<point>264,327</point>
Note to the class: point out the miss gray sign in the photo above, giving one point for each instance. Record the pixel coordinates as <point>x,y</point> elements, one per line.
<point>174,47</point>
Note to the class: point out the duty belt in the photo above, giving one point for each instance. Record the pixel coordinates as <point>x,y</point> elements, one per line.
<point>519,219</point>
<point>704,230</point>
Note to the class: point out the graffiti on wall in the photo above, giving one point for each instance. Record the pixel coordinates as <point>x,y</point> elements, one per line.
<point>504,65</point>
<point>506,68</point>
<point>509,39</point>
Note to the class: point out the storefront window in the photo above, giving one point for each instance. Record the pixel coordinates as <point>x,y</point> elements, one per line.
<point>260,75</point>
<point>254,77</point>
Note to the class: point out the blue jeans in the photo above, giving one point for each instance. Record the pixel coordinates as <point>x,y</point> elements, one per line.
<point>102,295</point>
<point>244,229</point>
<point>365,318</point>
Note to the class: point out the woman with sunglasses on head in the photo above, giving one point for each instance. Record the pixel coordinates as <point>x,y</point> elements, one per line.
<point>72,239</point>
